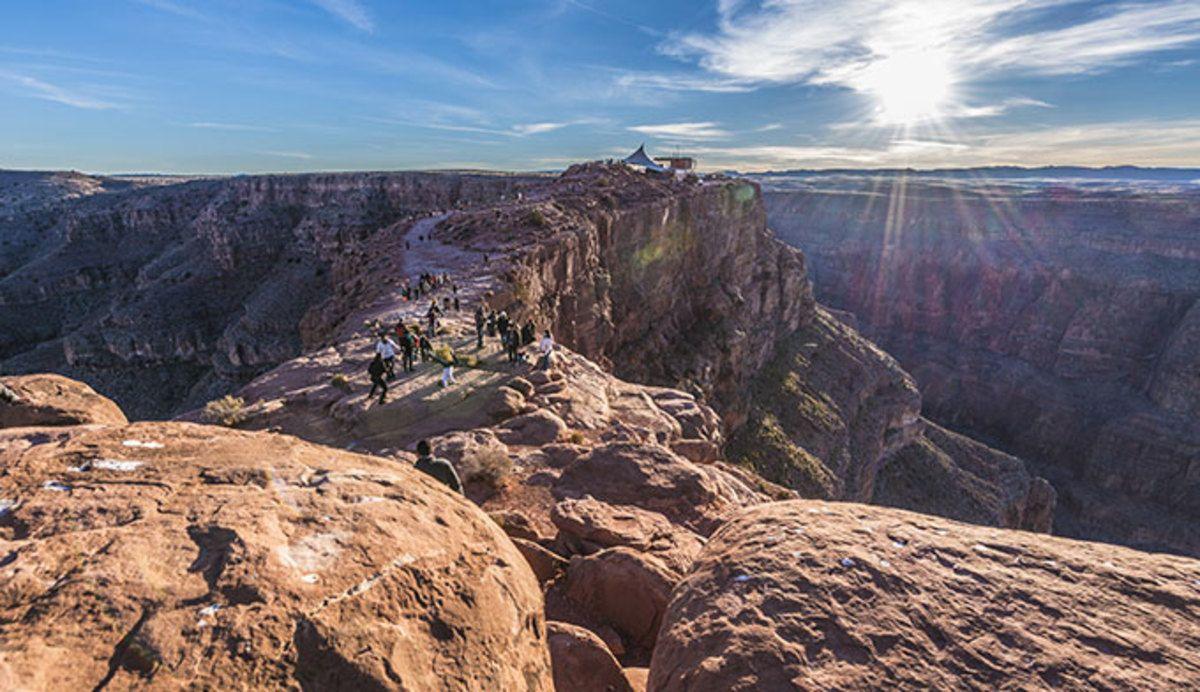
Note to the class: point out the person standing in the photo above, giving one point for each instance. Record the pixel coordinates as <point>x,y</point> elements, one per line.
<point>376,371</point>
<point>479,320</point>
<point>386,349</point>
<point>408,347</point>
<point>502,323</point>
<point>546,346</point>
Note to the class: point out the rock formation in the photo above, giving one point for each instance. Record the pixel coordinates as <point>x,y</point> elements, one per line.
<point>165,297</point>
<point>1059,324</point>
<point>30,400</point>
<point>810,595</point>
<point>176,555</point>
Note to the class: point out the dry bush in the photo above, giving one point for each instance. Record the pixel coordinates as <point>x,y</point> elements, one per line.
<point>489,467</point>
<point>341,382</point>
<point>228,411</point>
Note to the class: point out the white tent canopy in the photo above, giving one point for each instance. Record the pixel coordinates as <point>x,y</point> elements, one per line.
<point>639,158</point>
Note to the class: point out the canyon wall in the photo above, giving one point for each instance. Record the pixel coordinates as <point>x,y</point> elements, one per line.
<point>167,296</point>
<point>1058,324</point>
<point>681,284</point>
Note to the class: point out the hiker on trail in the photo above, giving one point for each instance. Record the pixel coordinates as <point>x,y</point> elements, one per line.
<point>502,323</point>
<point>447,368</point>
<point>547,348</point>
<point>512,344</point>
<point>433,313</point>
<point>386,349</point>
<point>479,320</point>
<point>408,344</point>
<point>527,333</point>
<point>438,468</point>
<point>457,307</point>
<point>485,259</point>
<point>446,304</point>
<point>491,324</point>
<point>426,348</point>
<point>376,371</point>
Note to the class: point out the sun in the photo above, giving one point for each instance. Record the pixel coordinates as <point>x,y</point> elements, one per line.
<point>910,87</point>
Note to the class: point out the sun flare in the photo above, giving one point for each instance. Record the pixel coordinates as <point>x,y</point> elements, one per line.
<point>910,87</point>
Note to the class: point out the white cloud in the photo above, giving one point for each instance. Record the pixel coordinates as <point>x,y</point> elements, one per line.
<point>860,44</point>
<point>679,82</point>
<point>1139,142</point>
<point>39,89</point>
<point>287,154</point>
<point>682,131</point>
<point>538,128</point>
<point>350,11</point>
<point>231,127</point>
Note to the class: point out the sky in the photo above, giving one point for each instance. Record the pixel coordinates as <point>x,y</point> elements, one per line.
<point>245,86</point>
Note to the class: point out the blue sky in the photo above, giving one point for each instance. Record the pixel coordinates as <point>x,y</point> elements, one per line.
<point>226,86</point>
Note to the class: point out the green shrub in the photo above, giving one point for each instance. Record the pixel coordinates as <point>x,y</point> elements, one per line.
<point>228,411</point>
<point>341,382</point>
<point>536,218</point>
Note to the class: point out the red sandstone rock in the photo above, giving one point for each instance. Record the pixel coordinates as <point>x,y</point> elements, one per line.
<point>600,525</point>
<point>45,399</point>
<point>624,588</point>
<point>582,663</point>
<point>812,595</point>
<point>545,565</point>
<point>179,555</point>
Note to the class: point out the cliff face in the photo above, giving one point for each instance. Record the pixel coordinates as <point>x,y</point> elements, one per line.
<point>1059,324</point>
<point>681,284</point>
<point>168,296</point>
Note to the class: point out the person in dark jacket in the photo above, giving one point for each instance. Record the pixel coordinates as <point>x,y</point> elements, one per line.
<point>426,349</point>
<point>438,468</point>
<point>376,370</point>
<point>479,320</point>
<point>408,347</point>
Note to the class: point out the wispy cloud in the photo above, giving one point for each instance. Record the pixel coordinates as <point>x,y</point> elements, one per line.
<point>350,11</point>
<point>538,128</point>
<point>857,44</point>
<point>287,154</point>
<point>1140,142</point>
<point>36,88</point>
<point>682,82</point>
<point>231,127</point>
<point>683,131</point>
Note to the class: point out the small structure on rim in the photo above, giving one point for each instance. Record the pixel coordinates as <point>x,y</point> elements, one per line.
<point>639,158</point>
<point>673,164</point>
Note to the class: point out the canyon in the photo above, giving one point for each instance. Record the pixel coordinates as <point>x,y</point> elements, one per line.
<point>626,509</point>
<point>1057,322</point>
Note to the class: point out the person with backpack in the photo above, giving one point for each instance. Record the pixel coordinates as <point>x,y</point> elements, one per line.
<point>408,348</point>
<point>502,323</point>
<point>447,368</point>
<point>376,371</point>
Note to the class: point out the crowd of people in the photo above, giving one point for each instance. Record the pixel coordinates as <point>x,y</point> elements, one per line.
<point>410,343</point>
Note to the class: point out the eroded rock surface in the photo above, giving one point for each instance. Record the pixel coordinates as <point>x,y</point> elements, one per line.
<point>46,399</point>
<point>814,595</point>
<point>179,555</point>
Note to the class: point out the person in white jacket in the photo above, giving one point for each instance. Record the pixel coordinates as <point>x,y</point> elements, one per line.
<point>546,346</point>
<point>386,348</point>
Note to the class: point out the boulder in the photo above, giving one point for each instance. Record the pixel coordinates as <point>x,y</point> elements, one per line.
<point>623,588</point>
<point>537,428</point>
<point>582,663</point>
<point>651,477</point>
<point>812,595</point>
<point>177,555</point>
<point>44,399</point>
<point>545,564</point>
<point>602,525</point>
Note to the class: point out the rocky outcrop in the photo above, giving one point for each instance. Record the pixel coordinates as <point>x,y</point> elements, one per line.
<point>809,595</point>
<point>1058,324</point>
<point>582,662</point>
<point>836,418</point>
<point>168,296</point>
<point>668,282</point>
<point>177,555</point>
<point>44,399</point>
